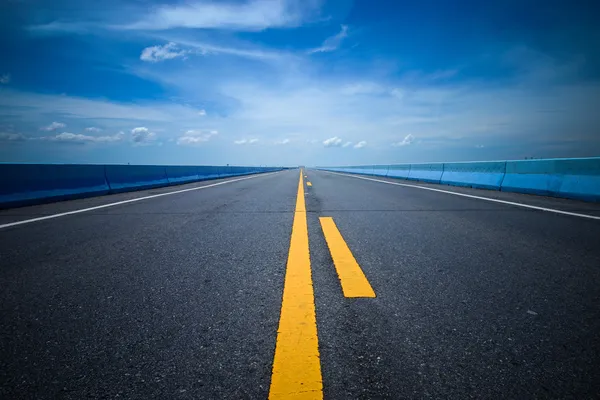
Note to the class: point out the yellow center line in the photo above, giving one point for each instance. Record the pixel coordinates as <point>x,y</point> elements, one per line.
<point>352,278</point>
<point>297,366</point>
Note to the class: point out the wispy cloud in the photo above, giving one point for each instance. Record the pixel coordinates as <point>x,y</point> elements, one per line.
<point>53,126</point>
<point>333,42</point>
<point>284,141</point>
<point>5,79</point>
<point>161,53</point>
<point>408,139</point>
<point>240,49</point>
<point>358,88</point>
<point>360,144</point>
<point>332,142</point>
<point>253,15</point>
<point>202,113</point>
<point>195,136</point>
<point>93,129</point>
<point>12,137</point>
<point>347,144</point>
<point>245,141</point>
<point>67,137</point>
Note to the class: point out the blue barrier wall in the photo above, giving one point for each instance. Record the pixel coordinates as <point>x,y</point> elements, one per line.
<point>485,175</point>
<point>571,178</point>
<point>181,174</point>
<point>122,178</point>
<point>26,184</point>
<point>399,171</point>
<point>581,179</point>
<point>426,172</point>
<point>575,178</point>
<point>22,184</point>
<point>209,172</point>
<point>380,170</point>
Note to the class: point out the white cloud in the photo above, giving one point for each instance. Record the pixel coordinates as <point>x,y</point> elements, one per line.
<point>67,137</point>
<point>332,142</point>
<point>289,100</point>
<point>347,144</point>
<point>12,137</point>
<point>195,136</point>
<point>142,135</point>
<point>5,79</point>
<point>253,15</point>
<point>360,144</point>
<point>245,141</point>
<point>408,139</point>
<point>93,129</point>
<point>284,141</point>
<point>202,113</point>
<point>161,53</point>
<point>333,42</point>
<point>53,126</point>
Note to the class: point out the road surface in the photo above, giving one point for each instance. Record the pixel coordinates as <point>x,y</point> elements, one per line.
<point>179,295</point>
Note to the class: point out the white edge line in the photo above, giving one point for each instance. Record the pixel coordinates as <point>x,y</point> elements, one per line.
<point>472,196</point>
<point>28,221</point>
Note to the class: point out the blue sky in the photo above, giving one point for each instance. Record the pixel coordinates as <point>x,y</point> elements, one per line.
<point>287,82</point>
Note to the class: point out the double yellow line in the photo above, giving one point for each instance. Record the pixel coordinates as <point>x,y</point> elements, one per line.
<point>297,366</point>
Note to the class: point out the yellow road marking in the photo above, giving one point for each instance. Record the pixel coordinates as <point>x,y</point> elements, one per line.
<point>297,366</point>
<point>352,278</point>
<point>308,184</point>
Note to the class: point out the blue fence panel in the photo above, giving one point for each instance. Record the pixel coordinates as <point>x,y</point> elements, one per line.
<point>24,184</point>
<point>486,175</point>
<point>123,178</point>
<point>181,174</point>
<point>399,171</point>
<point>426,172</point>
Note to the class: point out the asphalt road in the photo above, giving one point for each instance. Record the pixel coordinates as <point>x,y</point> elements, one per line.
<point>179,296</point>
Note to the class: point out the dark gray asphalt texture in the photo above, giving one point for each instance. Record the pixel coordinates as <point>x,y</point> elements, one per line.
<point>178,297</point>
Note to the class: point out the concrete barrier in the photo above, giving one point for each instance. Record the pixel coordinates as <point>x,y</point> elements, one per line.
<point>570,178</point>
<point>28,184</point>
<point>574,178</point>
<point>177,174</point>
<point>399,171</point>
<point>426,172</point>
<point>359,169</point>
<point>238,171</point>
<point>209,172</point>
<point>581,179</point>
<point>124,178</point>
<point>380,170</point>
<point>484,175</point>
<point>24,184</point>
<point>533,177</point>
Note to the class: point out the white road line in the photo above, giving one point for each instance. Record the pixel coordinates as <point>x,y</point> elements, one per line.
<point>474,197</point>
<point>28,221</point>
